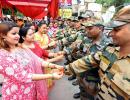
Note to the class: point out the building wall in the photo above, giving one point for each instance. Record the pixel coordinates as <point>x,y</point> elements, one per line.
<point>78,8</point>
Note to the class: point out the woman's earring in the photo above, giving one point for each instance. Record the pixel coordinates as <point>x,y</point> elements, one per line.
<point>22,37</point>
<point>4,39</point>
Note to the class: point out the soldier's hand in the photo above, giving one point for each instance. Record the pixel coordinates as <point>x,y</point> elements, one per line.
<point>66,71</point>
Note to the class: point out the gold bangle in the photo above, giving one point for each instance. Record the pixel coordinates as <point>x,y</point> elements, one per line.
<point>48,64</point>
<point>52,65</point>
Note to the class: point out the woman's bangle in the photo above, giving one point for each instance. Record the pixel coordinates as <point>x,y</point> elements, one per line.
<point>52,65</point>
<point>48,65</point>
<point>52,76</point>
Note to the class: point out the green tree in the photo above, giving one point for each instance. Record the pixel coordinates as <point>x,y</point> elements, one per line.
<point>6,11</point>
<point>105,3</point>
<point>117,3</point>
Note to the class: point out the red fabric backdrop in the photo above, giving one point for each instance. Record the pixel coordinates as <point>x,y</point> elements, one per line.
<point>0,12</point>
<point>53,8</point>
<point>34,8</point>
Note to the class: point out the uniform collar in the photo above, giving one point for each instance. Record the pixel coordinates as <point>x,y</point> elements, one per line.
<point>117,49</point>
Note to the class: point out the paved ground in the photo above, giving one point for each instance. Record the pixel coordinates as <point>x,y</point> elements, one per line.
<point>63,90</point>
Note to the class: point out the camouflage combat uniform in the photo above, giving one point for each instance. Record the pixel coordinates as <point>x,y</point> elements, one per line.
<point>91,76</point>
<point>114,84</point>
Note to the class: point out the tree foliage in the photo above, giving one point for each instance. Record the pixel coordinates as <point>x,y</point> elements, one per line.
<point>117,3</point>
<point>8,11</point>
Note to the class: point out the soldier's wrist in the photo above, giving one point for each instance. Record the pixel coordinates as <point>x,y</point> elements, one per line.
<point>66,51</point>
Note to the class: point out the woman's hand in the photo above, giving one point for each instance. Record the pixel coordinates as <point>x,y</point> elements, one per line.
<point>52,44</point>
<point>59,58</point>
<point>55,54</point>
<point>60,53</point>
<point>56,74</point>
<point>54,66</point>
<point>61,68</point>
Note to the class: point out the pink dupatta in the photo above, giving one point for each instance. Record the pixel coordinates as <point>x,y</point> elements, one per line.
<point>41,86</point>
<point>35,63</point>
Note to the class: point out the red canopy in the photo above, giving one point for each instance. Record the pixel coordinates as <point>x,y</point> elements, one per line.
<point>34,8</point>
<point>0,9</point>
<point>0,12</point>
<point>53,8</point>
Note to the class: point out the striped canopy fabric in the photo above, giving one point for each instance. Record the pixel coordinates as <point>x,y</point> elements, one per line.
<point>34,8</point>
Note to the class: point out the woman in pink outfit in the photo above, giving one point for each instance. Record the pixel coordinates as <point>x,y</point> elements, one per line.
<point>55,28</point>
<point>19,66</point>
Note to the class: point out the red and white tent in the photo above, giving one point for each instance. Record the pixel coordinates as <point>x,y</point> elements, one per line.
<point>33,8</point>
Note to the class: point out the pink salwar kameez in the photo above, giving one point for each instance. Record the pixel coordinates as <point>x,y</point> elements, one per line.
<point>17,68</point>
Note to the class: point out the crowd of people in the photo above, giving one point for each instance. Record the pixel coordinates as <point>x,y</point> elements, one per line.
<point>97,56</point>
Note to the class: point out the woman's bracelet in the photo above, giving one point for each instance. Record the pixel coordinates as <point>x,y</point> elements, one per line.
<point>51,66</point>
<point>52,76</point>
<point>48,65</point>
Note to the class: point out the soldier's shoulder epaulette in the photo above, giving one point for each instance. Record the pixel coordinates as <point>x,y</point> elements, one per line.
<point>111,45</point>
<point>110,48</point>
<point>128,56</point>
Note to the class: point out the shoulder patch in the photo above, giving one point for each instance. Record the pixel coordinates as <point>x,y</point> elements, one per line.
<point>110,49</point>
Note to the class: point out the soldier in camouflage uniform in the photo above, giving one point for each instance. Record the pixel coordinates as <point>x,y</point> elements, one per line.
<point>113,62</point>
<point>75,36</point>
<point>94,33</point>
<point>65,36</point>
<point>95,40</point>
<point>68,29</point>
<point>79,41</point>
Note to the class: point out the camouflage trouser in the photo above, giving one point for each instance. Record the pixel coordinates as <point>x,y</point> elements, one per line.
<point>107,93</point>
<point>88,90</point>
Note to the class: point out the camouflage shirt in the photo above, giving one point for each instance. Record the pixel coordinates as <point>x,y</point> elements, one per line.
<point>113,70</point>
<point>71,38</point>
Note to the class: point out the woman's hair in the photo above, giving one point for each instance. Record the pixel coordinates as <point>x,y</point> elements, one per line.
<point>22,33</point>
<point>5,27</point>
<point>28,24</point>
<point>41,23</point>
